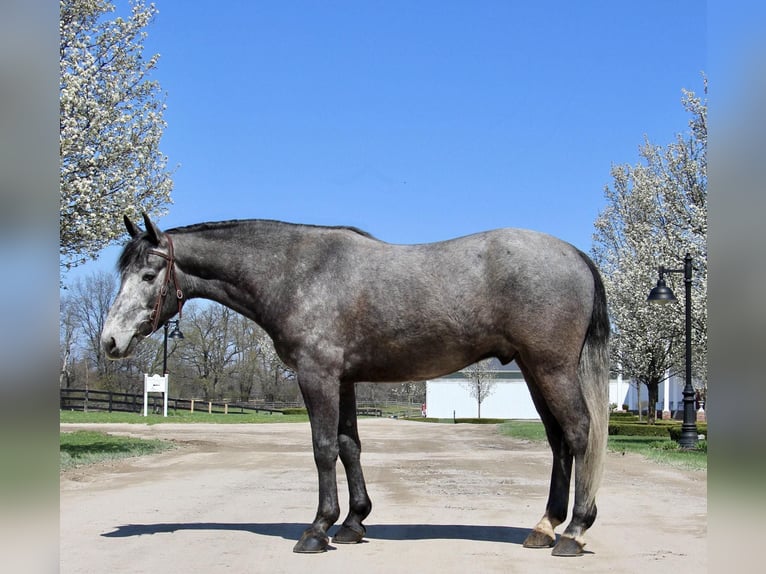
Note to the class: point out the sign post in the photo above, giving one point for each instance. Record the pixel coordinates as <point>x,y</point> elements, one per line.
<point>156,384</point>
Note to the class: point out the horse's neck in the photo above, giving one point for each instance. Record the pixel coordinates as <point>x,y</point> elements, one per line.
<point>230,271</point>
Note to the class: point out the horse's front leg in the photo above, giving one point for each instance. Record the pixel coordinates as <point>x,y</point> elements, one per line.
<point>352,530</point>
<point>321,398</point>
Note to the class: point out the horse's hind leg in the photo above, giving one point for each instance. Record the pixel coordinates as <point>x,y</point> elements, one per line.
<point>585,431</point>
<point>352,530</point>
<point>571,542</point>
<point>557,395</point>
<point>543,535</point>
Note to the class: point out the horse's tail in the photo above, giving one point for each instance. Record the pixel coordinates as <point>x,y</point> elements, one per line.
<point>593,376</point>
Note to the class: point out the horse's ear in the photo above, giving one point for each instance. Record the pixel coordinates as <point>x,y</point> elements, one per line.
<point>153,232</point>
<point>133,231</point>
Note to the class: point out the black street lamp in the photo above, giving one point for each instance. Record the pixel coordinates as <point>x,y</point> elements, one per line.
<point>664,294</point>
<point>174,334</point>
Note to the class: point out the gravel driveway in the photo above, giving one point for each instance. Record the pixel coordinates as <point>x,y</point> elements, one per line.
<point>446,498</point>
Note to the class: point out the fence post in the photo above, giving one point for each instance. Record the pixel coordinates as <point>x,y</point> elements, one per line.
<point>210,407</point>
<point>191,410</point>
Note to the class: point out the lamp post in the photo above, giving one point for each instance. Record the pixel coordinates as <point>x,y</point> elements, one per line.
<point>174,334</point>
<point>664,294</point>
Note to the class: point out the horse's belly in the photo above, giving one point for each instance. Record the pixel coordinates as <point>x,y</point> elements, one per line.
<point>417,364</point>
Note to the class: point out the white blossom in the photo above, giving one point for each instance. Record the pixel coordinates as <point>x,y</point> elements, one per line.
<point>111,122</point>
<point>656,213</point>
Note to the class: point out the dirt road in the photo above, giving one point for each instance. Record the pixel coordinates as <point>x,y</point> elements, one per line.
<point>446,498</point>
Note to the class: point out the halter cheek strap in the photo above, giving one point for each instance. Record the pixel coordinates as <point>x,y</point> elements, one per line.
<point>170,277</point>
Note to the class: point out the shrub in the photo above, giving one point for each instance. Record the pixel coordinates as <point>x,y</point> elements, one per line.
<point>637,429</point>
<point>620,427</point>
<point>623,417</point>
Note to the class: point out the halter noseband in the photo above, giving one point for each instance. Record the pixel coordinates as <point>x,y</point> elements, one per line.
<point>170,277</point>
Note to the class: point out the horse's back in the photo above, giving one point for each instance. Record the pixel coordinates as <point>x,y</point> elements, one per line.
<point>433,308</point>
<point>489,269</point>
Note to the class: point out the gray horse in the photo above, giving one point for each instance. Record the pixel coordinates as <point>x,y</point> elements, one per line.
<point>343,307</point>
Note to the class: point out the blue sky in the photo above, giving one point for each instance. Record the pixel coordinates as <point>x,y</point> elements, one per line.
<point>416,121</point>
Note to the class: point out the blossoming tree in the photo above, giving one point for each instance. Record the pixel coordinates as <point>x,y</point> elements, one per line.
<point>656,213</point>
<point>111,122</point>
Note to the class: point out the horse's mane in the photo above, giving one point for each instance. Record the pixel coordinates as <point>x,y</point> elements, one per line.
<point>213,225</point>
<point>136,248</point>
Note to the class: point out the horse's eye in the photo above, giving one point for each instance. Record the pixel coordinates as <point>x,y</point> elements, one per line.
<point>148,277</point>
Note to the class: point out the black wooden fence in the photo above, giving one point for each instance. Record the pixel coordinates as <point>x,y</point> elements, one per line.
<point>111,401</point>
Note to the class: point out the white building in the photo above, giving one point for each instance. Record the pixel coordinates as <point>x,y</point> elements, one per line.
<point>449,396</point>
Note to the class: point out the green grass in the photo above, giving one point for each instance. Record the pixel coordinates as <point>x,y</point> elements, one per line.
<point>664,451</point>
<point>178,417</point>
<point>661,450</point>
<point>88,447</point>
<point>527,430</point>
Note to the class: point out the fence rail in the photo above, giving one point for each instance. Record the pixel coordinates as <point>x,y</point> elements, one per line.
<point>92,400</point>
<point>113,401</point>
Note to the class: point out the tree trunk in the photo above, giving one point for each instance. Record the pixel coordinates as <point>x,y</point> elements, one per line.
<point>64,374</point>
<point>651,410</point>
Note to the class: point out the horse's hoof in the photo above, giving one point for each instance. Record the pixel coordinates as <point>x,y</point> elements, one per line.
<point>310,543</point>
<point>567,547</point>
<point>537,539</point>
<point>349,534</point>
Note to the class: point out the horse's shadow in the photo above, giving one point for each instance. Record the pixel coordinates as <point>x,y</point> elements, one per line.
<point>293,531</point>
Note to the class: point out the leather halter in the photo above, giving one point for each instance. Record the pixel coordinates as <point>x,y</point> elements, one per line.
<point>170,277</point>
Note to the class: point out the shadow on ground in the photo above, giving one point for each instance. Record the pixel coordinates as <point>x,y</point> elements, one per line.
<point>293,531</point>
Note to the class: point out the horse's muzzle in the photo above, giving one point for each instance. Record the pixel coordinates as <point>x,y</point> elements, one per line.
<point>120,345</point>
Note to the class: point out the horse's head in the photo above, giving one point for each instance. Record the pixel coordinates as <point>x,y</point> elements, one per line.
<point>149,294</point>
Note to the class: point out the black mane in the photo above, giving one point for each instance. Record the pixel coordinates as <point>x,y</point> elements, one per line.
<point>212,225</point>
<point>136,248</point>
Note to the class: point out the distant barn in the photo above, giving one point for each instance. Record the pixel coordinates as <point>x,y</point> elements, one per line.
<point>448,396</point>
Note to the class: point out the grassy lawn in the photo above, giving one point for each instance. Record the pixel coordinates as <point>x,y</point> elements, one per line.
<point>661,450</point>
<point>664,451</point>
<point>527,430</point>
<point>89,447</point>
<point>177,417</point>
